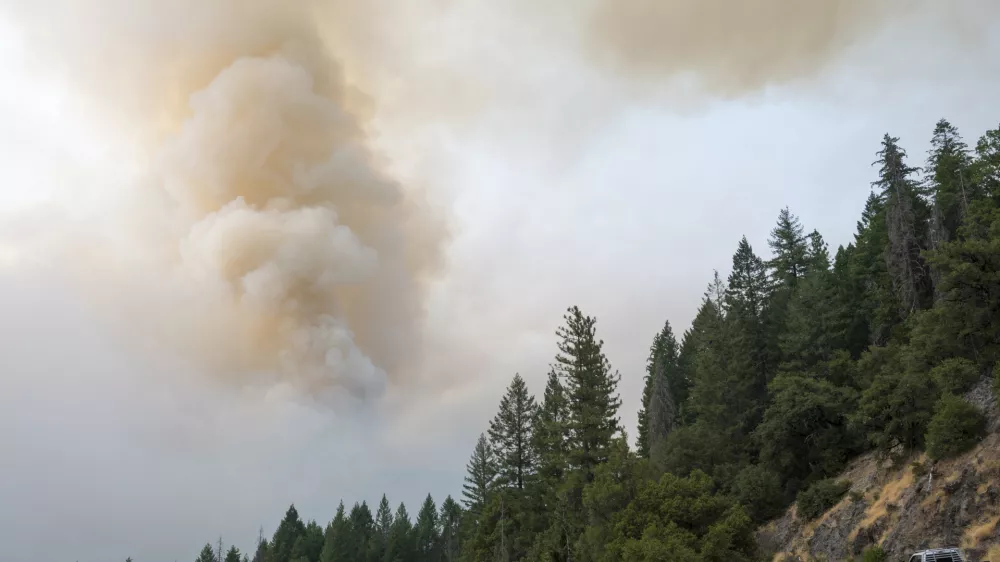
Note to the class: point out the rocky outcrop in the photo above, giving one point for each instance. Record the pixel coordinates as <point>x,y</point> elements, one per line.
<point>911,506</point>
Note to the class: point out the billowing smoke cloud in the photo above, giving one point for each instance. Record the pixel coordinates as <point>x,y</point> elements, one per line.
<point>263,236</point>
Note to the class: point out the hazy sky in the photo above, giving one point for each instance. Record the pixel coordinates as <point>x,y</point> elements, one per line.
<point>562,181</point>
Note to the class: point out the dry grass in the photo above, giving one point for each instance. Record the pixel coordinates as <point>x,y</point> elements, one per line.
<point>932,498</point>
<point>889,495</point>
<point>993,554</point>
<point>975,535</point>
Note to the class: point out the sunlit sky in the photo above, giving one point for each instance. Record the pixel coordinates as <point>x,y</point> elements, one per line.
<point>627,220</point>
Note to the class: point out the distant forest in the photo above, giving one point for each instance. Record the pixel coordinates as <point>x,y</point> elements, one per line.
<point>794,364</point>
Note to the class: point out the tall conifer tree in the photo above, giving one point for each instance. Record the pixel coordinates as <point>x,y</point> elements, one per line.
<point>480,479</point>
<point>591,387</point>
<point>510,435</point>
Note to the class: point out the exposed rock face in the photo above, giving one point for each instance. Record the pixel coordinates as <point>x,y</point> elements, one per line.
<point>908,507</point>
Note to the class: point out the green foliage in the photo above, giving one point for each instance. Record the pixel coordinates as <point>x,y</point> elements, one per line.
<point>682,519</point>
<point>696,447</point>
<point>896,408</point>
<point>337,542</point>
<point>948,180</point>
<point>285,537</point>
<point>233,555</point>
<point>819,497</point>
<point>805,434</point>
<point>760,491</point>
<point>791,250</point>
<point>401,545</point>
<point>969,283</point>
<point>665,387</point>
<point>309,545</point>
<point>451,539</point>
<point>427,535</point>
<point>907,217</point>
<point>591,389</point>
<point>481,478</point>
<point>207,554</point>
<point>956,427</point>
<point>955,375</point>
<point>986,167</point>
<point>510,435</point>
<point>874,554</point>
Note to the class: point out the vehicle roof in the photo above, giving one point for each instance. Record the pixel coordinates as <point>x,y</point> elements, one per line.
<point>934,551</point>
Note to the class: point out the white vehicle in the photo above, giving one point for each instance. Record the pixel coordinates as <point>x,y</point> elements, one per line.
<point>938,555</point>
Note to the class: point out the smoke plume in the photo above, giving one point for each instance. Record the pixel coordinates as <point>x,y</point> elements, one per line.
<point>263,237</point>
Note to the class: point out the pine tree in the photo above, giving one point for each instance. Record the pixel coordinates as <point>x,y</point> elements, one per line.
<point>510,435</point>
<point>207,554</point>
<point>550,437</point>
<point>428,537</point>
<point>737,357</point>
<point>309,546</point>
<point>481,478</point>
<point>705,327</point>
<point>906,217</point>
<point>967,316</point>
<point>451,521</point>
<point>362,531</point>
<point>263,546</point>
<point>665,386</point>
<point>383,523</point>
<point>337,543</point>
<point>948,180</point>
<point>818,254</point>
<point>289,531</point>
<point>746,301</point>
<point>868,270</point>
<point>790,248</point>
<point>748,287</point>
<point>401,545</point>
<point>550,430</point>
<point>591,388</point>
<point>233,554</point>
<point>986,168</point>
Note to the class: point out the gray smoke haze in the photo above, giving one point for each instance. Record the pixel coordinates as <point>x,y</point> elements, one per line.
<point>729,48</point>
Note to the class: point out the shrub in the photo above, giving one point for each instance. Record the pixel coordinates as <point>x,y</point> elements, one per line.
<point>759,490</point>
<point>874,554</point>
<point>955,428</point>
<point>918,469</point>
<point>821,496</point>
<point>956,375</point>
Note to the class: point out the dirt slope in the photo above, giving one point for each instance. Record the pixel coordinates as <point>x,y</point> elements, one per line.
<point>913,505</point>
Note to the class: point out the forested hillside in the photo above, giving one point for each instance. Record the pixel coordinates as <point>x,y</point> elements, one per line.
<point>800,360</point>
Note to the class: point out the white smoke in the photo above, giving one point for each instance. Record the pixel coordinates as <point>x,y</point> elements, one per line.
<point>262,238</point>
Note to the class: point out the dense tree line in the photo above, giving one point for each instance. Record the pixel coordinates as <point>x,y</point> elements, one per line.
<point>793,364</point>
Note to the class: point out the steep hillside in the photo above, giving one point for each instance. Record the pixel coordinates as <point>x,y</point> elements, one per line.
<point>904,506</point>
